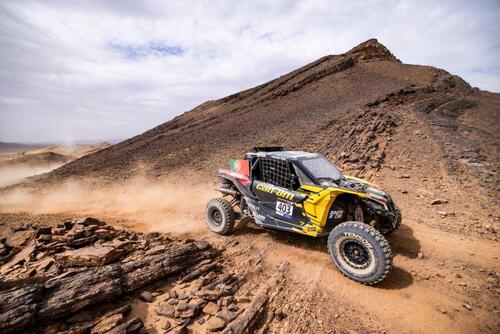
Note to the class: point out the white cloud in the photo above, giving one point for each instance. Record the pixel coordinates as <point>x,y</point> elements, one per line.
<point>96,70</point>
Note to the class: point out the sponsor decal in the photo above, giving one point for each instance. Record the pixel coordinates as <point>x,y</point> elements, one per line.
<point>335,214</point>
<point>275,191</point>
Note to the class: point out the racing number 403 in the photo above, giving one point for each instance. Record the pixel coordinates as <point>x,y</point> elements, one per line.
<point>284,209</point>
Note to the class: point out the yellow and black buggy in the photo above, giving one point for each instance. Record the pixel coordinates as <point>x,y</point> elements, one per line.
<point>304,193</point>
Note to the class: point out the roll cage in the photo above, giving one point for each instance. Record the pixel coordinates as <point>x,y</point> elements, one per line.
<point>283,169</point>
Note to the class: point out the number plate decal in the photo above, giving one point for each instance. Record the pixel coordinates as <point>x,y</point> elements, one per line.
<point>284,209</point>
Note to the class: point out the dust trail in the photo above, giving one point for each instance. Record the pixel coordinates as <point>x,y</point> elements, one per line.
<point>164,206</point>
<point>13,174</point>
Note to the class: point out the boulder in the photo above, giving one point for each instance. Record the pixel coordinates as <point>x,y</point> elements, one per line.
<point>227,315</point>
<point>88,221</point>
<point>215,324</point>
<point>107,324</point>
<point>165,310</point>
<point>146,296</point>
<point>211,308</point>
<point>93,255</point>
<point>23,255</point>
<point>19,238</point>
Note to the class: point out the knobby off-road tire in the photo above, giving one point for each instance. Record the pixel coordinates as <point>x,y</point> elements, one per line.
<point>220,216</point>
<point>360,252</point>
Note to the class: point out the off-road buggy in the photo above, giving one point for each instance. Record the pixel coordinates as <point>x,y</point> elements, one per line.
<point>304,193</point>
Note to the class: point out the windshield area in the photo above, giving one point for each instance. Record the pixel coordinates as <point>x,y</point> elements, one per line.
<point>322,169</point>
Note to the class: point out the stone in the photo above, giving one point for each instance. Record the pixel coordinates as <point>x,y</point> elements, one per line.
<point>45,264</point>
<point>242,299</point>
<point>226,315</point>
<point>45,237</point>
<point>43,230</point>
<point>186,310</point>
<point>211,308</point>
<point>165,310</point>
<point>93,255</point>
<point>443,214</point>
<point>225,301</point>
<point>215,324</point>
<point>146,296</point>
<point>59,230</point>
<point>106,324</point>
<point>491,228</point>
<point>156,250</point>
<point>152,235</point>
<point>199,303</point>
<point>3,250</point>
<point>182,296</point>
<point>420,255</point>
<point>19,238</point>
<point>88,221</point>
<point>173,301</point>
<point>438,201</point>
<point>202,245</point>
<point>208,294</point>
<point>232,307</point>
<point>23,255</point>
<point>467,306</point>
<point>131,326</point>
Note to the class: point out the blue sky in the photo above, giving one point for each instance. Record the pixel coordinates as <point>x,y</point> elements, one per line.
<point>73,70</point>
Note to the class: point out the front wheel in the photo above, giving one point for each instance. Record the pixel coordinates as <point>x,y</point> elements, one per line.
<point>220,216</point>
<point>360,252</point>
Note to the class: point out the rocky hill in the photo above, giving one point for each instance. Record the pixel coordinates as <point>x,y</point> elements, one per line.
<point>351,107</point>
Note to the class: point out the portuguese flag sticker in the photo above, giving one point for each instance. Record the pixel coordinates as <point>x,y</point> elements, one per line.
<point>240,166</point>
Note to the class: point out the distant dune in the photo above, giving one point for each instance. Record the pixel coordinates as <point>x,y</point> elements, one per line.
<point>19,161</point>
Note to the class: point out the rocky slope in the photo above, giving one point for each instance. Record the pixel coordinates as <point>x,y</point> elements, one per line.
<point>83,276</point>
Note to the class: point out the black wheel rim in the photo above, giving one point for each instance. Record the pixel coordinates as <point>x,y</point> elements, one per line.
<point>216,217</point>
<point>355,254</point>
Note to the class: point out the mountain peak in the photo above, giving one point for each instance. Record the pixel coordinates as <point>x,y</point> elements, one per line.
<point>370,50</point>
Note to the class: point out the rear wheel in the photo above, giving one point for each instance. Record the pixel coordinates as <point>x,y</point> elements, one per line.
<point>220,216</point>
<point>360,252</point>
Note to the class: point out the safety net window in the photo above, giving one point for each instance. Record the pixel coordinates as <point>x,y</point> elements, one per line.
<point>278,172</point>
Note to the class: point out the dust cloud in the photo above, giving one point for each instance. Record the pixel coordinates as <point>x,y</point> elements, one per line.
<point>13,174</point>
<point>163,206</point>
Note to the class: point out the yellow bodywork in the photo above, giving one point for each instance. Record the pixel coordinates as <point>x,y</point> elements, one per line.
<point>317,206</point>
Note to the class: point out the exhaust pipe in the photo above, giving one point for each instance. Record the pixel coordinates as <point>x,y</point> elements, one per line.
<point>227,191</point>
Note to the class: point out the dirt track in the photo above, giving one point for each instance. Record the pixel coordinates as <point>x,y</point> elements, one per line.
<point>441,281</point>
